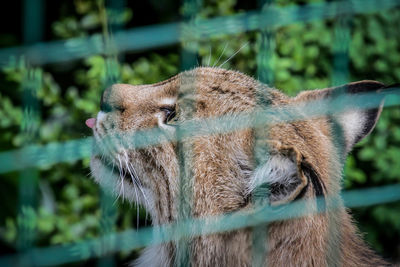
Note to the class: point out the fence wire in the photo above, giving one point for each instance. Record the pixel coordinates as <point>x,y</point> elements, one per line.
<point>31,158</point>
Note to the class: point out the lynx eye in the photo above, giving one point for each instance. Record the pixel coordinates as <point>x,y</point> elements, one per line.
<point>170,113</point>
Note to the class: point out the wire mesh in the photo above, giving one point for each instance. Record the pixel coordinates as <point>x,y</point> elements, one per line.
<point>189,33</point>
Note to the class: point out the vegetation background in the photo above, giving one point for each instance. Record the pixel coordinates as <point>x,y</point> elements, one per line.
<point>67,206</point>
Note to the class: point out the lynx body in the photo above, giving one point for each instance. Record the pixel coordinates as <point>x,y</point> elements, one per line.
<point>303,160</point>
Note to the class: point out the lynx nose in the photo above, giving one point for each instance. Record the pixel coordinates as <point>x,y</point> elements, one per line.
<point>113,97</point>
<point>90,122</point>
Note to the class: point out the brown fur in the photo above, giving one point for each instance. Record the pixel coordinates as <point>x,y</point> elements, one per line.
<point>224,163</point>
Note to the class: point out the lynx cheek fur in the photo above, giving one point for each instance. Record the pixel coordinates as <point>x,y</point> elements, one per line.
<point>302,163</point>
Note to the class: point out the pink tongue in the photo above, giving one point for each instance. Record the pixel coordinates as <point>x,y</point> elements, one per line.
<point>90,122</point>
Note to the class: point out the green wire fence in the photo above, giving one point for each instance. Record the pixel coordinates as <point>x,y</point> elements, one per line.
<point>189,32</point>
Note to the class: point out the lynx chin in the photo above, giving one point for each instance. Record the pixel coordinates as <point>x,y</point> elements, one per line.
<point>303,160</point>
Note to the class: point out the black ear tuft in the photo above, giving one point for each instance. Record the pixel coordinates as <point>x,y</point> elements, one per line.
<point>363,87</point>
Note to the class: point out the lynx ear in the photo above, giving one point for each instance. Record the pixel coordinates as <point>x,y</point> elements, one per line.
<point>358,123</point>
<point>286,175</point>
<point>355,123</point>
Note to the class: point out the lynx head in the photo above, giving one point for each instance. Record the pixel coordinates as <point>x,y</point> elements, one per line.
<point>297,159</point>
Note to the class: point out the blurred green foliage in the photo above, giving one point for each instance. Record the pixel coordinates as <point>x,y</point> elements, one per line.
<point>68,204</point>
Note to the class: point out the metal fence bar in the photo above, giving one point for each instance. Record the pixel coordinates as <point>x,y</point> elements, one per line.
<point>184,149</point>
<point>45,155</point>
<point>28,177</point>
<point>185,155</point>
<point>154,36</point>
<point>265,70</point>
<point>33,21</point>
<point>265,75</point>
<point>109,212</point>
<point>341,49</point>
<point>31,82</point>
<point>340,75</point>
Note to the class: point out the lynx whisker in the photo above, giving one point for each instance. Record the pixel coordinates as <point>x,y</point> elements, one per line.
<point>138,185</point>
<point>121,175</point>
<point>233,54</point>
<point>133,178</point>
<point>137,182</point>
<point>223,50</point>
<point>119,194</point>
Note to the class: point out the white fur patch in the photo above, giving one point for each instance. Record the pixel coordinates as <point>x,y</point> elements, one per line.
<point>277,169</point>
<point>160,120</point>
<point>353,124</point>
<point>100,117</point>
<point>152,256</point>
<point>168,101</point>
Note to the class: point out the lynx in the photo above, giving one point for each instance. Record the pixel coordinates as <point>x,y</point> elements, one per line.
<point>303,161</point>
